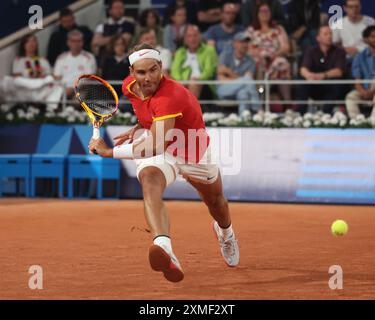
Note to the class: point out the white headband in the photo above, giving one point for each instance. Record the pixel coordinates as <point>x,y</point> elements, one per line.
<point>144,54</point>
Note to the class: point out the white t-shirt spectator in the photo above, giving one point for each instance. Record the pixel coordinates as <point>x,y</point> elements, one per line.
<point>35,67</point>
<point>192,62</point>
<point>166,57</point>
<point>350,35</point>
<point>70,67</point>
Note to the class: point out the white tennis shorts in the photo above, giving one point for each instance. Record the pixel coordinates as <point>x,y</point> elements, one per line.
<point>206,171</point>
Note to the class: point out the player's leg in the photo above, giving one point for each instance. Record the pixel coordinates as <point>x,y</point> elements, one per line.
<point>213,196</point>
<point>154,181</point>
<point>153,185</point>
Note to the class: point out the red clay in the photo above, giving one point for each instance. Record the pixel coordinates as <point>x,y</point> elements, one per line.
<point>99,250</point>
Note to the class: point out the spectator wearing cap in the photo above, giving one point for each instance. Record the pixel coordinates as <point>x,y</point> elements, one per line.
<point>58,41</point>
<point>196,60</point>
<point>324,61</point>
<point>238,65</point>
<point>363,68</point>
<point>221,35</point>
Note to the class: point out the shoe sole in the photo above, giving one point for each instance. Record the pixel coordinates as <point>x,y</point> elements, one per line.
<point>217,238</point>
<point>161,261</point>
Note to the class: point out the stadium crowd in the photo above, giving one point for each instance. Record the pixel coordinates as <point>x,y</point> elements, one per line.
<point>224,40</point>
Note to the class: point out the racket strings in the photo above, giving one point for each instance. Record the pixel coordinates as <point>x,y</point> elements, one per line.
<point>97,96</point>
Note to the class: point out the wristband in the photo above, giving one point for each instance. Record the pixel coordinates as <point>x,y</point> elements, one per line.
<point>124,151</point>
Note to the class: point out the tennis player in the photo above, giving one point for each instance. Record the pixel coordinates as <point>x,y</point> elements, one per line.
<point>167,111</point>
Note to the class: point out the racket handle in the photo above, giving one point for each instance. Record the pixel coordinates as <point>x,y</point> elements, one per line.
<point>96,133</point>
<point>95,136</point>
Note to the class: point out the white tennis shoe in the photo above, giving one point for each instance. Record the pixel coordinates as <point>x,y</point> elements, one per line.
<point>229,247</point>
<point>162,260</point>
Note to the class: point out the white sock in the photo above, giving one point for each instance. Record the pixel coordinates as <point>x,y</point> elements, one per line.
<point>226,233</point>
<point>164,242</point>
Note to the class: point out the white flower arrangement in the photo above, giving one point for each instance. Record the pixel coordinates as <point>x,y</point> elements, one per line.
<point>289,119</point>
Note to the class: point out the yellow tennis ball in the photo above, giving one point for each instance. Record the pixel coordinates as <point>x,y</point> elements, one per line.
<point>339,227</point>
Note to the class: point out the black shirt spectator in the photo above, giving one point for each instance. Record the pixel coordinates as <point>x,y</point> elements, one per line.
<point>116,24</point>
<point>324,61</point>
<point>116,65</point>
<point>304,20</point>
<point>58,41</point>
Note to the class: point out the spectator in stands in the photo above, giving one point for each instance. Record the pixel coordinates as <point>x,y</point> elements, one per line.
<point>31,77</point>
<point>58,41</point>
<point>148,36</point>
<point>269,47</point>
<point>363,68</point>
<point>194,61</point>
<point>348,30</point>
<point>117,23</point>
<point>28,63</point>
<point>321,62</point>
<point>248,11</point>
<point>70,65</point>
<point>221,35</point>
<point>304,23</point>
<point>149,18</point>
<point>116,65</point>
<point>191,7</point>
<point>209,12</point>
<point>174,31</point>
<point>238,65</point>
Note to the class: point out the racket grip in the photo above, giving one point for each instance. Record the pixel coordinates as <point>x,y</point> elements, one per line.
<point>95,136</point>
<point>96,133</point>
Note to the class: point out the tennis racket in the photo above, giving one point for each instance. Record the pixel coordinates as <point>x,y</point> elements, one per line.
<point>98,98</point>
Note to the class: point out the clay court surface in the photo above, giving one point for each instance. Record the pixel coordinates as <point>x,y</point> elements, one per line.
<point>98,250</point>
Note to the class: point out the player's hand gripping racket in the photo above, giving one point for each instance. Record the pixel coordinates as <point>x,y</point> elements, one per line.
<point>98,98</point>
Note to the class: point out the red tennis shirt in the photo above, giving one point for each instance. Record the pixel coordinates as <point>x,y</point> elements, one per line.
<point>172,100</point>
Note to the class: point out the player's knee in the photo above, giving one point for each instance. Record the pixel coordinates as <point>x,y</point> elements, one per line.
<point>216,201</point>
<point>152,181</point>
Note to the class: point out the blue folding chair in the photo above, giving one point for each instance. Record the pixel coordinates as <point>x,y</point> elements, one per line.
<point>15,166</point>
<point>47,166</point>
<point>93,167</point>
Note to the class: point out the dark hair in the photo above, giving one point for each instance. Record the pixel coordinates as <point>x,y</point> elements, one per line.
<point>111,45</point>
<point>145,31</point>
<point>114,1</point>
<point>65,12</point>
<point>322,26</point>
<point>176,8</point>
<point>367,32</point>
<point>21,50</point>
<point>145,13</point>
<point>256,22</point>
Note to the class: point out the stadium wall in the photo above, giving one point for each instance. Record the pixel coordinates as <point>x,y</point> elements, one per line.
<point>258,164</point>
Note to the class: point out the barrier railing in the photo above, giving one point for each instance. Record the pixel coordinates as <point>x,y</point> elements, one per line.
<point>264,87</point>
